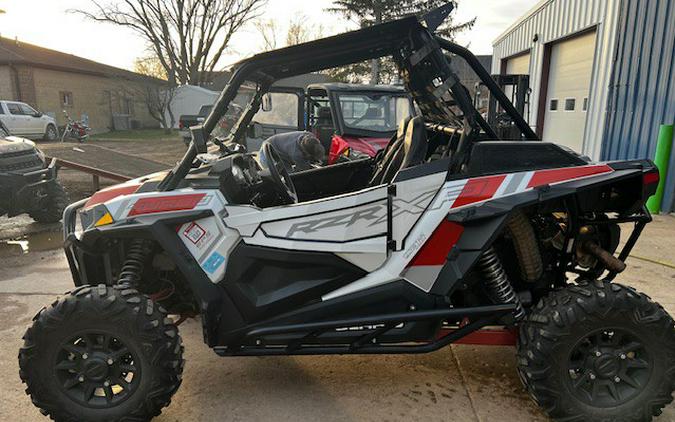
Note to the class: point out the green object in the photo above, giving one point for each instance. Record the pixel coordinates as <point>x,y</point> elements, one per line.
<point>664,146</point>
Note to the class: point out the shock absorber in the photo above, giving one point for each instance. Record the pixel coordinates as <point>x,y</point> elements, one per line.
<point>134,262</point>
<point>497,282</point>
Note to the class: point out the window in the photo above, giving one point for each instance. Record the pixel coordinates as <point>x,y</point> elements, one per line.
<point>27,110</point>
<point>14,109</point>
<point>585,106</point>
<point>66,98</point>
<point>374,113</point>
<point>2,109</point>
<point>570,104</point>
<point>553,106</point>
<point>282,110</point>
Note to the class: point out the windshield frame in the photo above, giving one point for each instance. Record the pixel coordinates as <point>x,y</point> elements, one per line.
<point>343,129</point>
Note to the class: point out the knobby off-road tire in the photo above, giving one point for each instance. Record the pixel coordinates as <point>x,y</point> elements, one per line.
<point>94,335</point>
<point>598,352</point>
<point>50,209</point>
<point>51,133</point>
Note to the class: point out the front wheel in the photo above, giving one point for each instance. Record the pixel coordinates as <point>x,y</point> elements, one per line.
<point>101,353</point>
<point>598,352</point>
<point>50,208</point>
<point>51,133</point>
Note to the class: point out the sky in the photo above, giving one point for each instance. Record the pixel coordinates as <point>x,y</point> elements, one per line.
<point>48,23</point>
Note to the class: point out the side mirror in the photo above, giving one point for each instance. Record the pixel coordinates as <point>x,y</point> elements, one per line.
<point>37,114</point>
<point>267,102</point>
<point>198,139</point>
<point>255,130</point>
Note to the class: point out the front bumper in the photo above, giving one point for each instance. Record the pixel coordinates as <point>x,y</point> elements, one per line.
<point>72,246</point>
<point>22,191</point>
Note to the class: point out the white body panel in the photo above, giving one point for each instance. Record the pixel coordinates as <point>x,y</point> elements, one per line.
<point>354,226</point>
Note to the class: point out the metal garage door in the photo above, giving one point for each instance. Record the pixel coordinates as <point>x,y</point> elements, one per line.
<point>519,65</point>
<point>568,86</point>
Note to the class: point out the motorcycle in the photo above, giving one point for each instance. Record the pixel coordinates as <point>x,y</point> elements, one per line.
<point>75,129</point>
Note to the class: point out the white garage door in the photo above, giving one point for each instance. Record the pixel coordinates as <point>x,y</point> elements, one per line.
<point>519,65</point>
<point>568,86</point>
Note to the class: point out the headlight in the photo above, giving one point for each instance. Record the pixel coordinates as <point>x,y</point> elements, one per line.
<point>89,218</point>
<point>79,228</point>
<point>41,155</point>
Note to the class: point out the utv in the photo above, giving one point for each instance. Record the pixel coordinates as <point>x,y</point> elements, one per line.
<point>450,229</point>
<point>27,182</point>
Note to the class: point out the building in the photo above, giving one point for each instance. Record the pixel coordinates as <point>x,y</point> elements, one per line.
<point>469,79</point>
<point>602,74</point>
<point>51,81</point>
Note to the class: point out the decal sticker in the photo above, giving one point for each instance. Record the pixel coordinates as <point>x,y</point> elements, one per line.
<point>213,262</point>
<point>194,232</point>
<point>156,204</point>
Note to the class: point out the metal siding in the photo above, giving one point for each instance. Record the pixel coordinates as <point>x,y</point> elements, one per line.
<point>642,95</point>
<point>556,19</point>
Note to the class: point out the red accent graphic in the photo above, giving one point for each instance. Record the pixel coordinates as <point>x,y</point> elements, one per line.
<point>478,189</point>
<point>486,337</point>
<point>437,247</point>
<point>113,192</point>
<point>166,203</point>
<point>545,177</point>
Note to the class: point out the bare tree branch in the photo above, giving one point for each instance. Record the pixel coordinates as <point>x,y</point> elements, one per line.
<point>188,37</point>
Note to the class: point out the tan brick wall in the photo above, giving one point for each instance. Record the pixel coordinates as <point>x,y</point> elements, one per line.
<point>98,97</point>
<point>6,91</point>
<point>26,84</point>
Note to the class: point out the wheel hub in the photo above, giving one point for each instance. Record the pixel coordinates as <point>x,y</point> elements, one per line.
<point>97,370</point>
<point>608,367</point>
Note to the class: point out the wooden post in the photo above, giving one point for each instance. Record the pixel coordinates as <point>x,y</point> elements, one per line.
<point>96,181</point>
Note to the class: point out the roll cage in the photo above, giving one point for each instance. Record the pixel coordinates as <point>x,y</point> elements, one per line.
<point>421,57</point>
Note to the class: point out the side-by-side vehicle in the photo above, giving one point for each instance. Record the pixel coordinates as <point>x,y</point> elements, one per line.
<point>448,230</point>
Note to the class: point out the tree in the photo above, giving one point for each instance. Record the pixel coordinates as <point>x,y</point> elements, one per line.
<point>188,37</point>
<point>298,31</point>
<point>373,12</point>
<point>153,90</point>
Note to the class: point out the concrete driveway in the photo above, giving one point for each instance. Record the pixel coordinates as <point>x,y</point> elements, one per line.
<point>459,383</point>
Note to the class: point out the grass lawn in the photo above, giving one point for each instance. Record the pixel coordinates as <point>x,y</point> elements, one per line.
<point>136,135</point>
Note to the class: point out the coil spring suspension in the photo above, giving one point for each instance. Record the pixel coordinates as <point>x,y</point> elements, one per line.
<point>497,282</point>
<point>134,263</point>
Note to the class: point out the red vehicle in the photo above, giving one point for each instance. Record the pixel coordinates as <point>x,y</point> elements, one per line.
<point>349,119</point>
<point>360,117</point>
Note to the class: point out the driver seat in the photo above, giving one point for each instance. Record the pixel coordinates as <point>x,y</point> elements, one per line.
<point>324,127</point>
<point>406,151</point>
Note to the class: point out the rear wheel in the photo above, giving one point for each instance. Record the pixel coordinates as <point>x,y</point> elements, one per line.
<point>598,352</point>
<point>50,209</point>
<point>101,353</point>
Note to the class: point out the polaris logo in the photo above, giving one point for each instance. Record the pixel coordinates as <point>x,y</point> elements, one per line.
<point>344,220</point>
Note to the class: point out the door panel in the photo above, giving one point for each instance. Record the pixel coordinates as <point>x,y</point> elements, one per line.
<point>16,121</point>
<point>568,89</point>
<point>34,124</point>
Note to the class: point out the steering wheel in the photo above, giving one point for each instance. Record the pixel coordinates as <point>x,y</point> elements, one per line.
<point>279,174</point>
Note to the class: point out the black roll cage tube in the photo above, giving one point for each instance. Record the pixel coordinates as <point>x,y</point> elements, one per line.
<point>253,69</point>
<point>491,85</point>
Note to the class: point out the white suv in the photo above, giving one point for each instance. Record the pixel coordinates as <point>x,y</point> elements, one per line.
<point>23,120</point>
